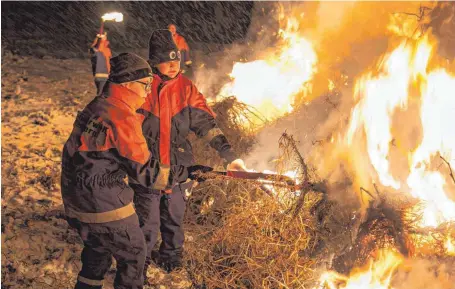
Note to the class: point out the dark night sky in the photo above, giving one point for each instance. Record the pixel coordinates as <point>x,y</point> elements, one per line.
<point>66,28</point>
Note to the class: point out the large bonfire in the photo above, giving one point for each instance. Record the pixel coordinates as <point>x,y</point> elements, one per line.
<point>398,140</point>
<point>373,204</point>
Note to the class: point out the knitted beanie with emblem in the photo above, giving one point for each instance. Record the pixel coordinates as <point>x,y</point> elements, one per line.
<point>162,47</point>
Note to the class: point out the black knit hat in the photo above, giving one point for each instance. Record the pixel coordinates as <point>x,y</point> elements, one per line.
<point>127,67</point>
<point>162,47</point>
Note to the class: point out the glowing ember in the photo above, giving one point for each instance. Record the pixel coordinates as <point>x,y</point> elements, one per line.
<point>376,276</point>
<point>403,77</point>
<point>450,247</point>
<point>271,85</point>
<point>116,16</point>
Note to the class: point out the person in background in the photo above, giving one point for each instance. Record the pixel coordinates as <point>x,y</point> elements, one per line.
<point>105,146</point>
<point>172,110</point>
<point>182,46</point>
<point>101,54</point>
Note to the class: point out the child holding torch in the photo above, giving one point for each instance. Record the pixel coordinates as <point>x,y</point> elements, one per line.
<point>100,52</point>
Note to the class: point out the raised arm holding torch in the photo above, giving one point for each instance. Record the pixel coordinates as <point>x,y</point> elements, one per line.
<point>101,53</point>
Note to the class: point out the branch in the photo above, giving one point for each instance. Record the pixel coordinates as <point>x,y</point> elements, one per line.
<point>450,169</point>
<point>367,192</point>
<point>290,140</point>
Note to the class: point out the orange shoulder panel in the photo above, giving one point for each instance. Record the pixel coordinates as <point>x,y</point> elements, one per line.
<point>97,136</point>
<point>129,140</point>
<point>151,103</point>
<point>195,98</point>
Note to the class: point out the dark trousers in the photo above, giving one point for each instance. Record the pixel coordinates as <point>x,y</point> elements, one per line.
<point>124,241</point>
<point>160,212</point>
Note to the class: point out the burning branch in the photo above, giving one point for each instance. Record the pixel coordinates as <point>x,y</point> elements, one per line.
<point>421,19</point>
<point>420,16</point>
<point>450,168</point>
<point>367,192</point>
<point>288,141</point>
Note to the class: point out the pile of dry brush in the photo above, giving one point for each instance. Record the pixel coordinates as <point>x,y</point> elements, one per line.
<point>242,236</point>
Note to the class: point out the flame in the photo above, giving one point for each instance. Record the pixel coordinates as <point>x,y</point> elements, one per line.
<point>404,76</point>
<point>270,85</point>
<point>377,275</point>
<point>378,98</point>
<point>450,246</point>
<point>116,16</point>
<point>437,115</point>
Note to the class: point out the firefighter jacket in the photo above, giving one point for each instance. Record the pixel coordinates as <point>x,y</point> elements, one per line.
<point>181,44</point>
<point>172,110</point>
<point>105,146</point>
<point>100,57</point>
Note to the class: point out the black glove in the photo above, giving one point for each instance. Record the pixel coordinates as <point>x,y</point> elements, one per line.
<point>194,172</point>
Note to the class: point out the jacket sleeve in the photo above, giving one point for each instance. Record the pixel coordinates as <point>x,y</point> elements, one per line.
<point>135,156</point>
<point>203,124</point>
<point>100,58</point>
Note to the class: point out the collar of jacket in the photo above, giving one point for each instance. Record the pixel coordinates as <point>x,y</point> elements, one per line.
<point>163,79</point>
<point>126,96</point>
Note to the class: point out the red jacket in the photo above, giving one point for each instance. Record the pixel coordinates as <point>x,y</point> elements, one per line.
<point>105,146</point>
<point>172,110</point>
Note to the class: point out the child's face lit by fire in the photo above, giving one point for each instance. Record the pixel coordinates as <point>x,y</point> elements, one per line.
<point>170,68</point>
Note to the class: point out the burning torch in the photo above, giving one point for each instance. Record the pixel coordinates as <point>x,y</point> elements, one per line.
<point>113,16</point>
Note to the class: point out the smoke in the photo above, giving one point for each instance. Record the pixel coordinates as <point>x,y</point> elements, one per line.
<point>216,64</point>
<point>424,274</point>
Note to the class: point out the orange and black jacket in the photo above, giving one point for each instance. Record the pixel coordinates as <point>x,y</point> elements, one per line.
<point>172,110</point>
<point>105,146</point>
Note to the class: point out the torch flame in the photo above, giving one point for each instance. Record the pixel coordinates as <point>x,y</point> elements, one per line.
<point>115,16</point>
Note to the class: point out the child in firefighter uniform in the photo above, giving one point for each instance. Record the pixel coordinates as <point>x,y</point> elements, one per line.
<point>105,146</point>
<point>101,54</point>
<point>172,110</point>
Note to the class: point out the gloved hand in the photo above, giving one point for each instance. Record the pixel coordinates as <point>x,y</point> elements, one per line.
<point>193,170</point>
<point>100,39</point>
<point>236,165</point>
